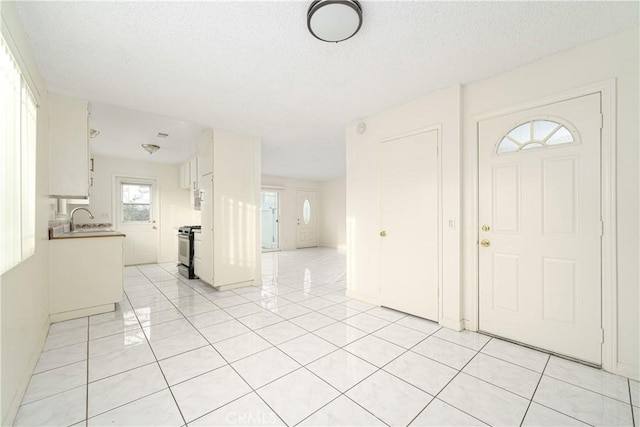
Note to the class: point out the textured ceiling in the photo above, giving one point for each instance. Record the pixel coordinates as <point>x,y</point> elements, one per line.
<point>252,67</point>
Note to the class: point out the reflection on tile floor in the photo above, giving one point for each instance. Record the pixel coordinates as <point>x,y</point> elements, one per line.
<point>298,351</point>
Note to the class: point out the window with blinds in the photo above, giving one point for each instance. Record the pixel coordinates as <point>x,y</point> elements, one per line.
<point>17,163</point>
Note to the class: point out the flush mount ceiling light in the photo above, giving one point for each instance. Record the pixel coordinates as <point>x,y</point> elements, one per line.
<point>334,20</point>
<point>151,148</point>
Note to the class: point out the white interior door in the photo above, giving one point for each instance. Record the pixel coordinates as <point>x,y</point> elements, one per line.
<point>540,229</point>
<point>409,224</point>
<point>307,202</point>
<point>136,216</point>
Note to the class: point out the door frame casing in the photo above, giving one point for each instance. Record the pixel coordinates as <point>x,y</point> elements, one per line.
<point>156,205</point>
<point>608,209</point>
<point>438,129</point>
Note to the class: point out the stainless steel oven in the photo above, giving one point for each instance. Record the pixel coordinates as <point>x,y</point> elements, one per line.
<point>185,250</point>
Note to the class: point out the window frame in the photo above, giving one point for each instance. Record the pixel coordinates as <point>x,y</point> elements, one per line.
<point>522,146</point>
<point>19,128</point>
<point>123,204</point>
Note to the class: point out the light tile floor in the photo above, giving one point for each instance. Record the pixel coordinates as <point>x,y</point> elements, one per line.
<point>297,351</point>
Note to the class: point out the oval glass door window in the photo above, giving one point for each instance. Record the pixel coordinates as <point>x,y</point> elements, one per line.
<point>306,211</point>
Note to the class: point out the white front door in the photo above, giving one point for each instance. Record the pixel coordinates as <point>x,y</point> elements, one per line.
<point>540,229</point>
<point>307,221</point>
<point>409,224</point>
<point>136,213</point>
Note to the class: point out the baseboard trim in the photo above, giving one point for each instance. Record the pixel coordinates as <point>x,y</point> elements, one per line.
<point>235,285</point>
<point>363,297</point>
<point>14,406</point>
<point>83,312</point>
<point>468,326</point>
<point>456,325</point>
<point>627,370</point>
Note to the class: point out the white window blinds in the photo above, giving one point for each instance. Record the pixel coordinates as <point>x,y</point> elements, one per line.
<point>17,163</point>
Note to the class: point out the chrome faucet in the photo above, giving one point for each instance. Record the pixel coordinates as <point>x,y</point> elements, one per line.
<point>74,211</point>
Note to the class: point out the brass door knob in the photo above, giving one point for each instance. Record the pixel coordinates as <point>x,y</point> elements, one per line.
<point>485,243</point>
<point>485,228</point>
<point>383,233</point>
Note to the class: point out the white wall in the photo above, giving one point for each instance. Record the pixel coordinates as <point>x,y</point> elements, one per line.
<point>333,211</point>
<point>175,209</point>
<point>612,57</point>
<point>236,208</point>
<point>440,109</point>
<point>615,57</point>
<point>287,188</point>
<point>24,292</point>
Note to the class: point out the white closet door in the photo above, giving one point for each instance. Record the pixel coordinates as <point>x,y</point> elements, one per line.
<point>409,224</point>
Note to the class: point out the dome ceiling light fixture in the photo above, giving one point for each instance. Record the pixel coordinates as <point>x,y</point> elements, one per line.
<point>334,20</point>
<point>151,148</point>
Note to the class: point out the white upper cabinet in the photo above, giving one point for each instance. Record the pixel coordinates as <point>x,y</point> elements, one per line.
<point>193,173</point>
<point>205,154</point>
<point>69,147</point>
<point>185,176</point>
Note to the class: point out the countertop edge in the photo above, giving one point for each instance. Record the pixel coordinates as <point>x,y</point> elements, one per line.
<point>87,235</point>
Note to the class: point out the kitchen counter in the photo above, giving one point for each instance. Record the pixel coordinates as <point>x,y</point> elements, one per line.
<point>62,232</point>
<point>79,235</point>
<point>86,273</point>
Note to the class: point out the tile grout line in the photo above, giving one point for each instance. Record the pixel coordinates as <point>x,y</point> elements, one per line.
<point>228,364</point>
<point>335,321</point>
<point>86,402</point>
<point>307,332</point>
<point>378,369</point>
<point>301,366</point>
<point>154,353</point>
<point>633,417</point>
<point>320,378</point>
<point>450,381</point>
<point>524,416</point>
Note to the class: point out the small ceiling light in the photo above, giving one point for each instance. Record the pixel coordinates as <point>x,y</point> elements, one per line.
<point>93,133</point>
<point>334,20</point>
<point>151,148</point>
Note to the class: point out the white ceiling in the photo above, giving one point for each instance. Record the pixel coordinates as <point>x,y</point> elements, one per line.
<point>123,131</point>
<point>252,66</point>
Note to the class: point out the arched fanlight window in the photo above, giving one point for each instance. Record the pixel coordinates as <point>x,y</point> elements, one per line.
<point>535,134</point>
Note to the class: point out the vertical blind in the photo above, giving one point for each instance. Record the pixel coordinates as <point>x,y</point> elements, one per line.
<point>17,163</point>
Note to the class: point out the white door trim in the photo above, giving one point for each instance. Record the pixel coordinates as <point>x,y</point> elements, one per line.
<point>438,129</point>
<point>608,206</point>
<point>156,206</point>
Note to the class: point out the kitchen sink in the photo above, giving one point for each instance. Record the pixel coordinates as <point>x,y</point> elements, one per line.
<point>94,230</point>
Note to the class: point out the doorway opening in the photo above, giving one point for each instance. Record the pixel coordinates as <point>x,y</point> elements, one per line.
<point>269,201</point>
